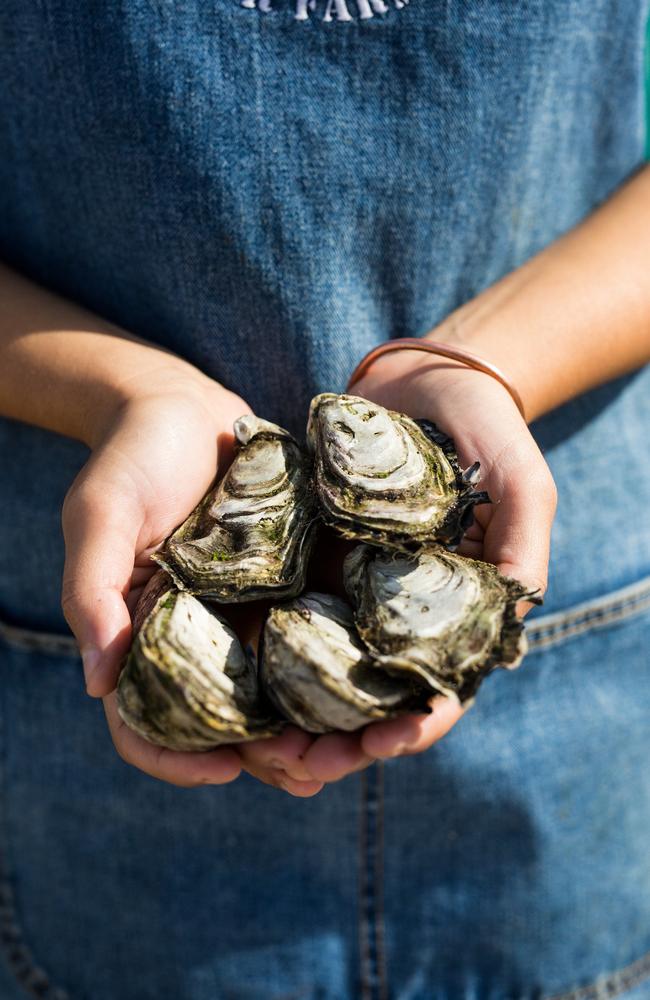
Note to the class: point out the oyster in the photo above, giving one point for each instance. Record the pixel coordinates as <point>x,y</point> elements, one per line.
<point>188,684</point>
<point>251,536</point>
<point>443,617</point>
<point>385,478</point>
<point>317,672</point>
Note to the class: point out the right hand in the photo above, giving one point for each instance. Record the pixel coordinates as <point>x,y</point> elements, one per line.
<point>151,463</point>
<point>513,532</point>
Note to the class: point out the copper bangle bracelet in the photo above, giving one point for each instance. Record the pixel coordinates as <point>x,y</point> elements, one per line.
<point>444,350</point>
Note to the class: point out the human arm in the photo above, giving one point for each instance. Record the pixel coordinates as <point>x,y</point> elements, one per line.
<point>573,317</point>
<point>157,429</point>
<point>537,301</point>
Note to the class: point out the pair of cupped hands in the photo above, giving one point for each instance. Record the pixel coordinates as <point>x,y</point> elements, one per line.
<point>153,459</point>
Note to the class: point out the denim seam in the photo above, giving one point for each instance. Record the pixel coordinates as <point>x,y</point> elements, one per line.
<point>379,882</point>
<point>19,959</point>
<point>364,929</point>
<point>612,984</point>
<point>38,642</point>
<point>542,632</point>
<point>373,979</point>
<point>598,613</point>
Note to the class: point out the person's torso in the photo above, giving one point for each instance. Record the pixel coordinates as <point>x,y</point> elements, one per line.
<point>270,189</point>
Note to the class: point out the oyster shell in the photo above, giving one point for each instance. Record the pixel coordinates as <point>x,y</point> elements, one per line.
<point>443,617</point>
<point>318,674</point>
<point>385,478</point>
<point>187,683</point>
<point>251,536</point>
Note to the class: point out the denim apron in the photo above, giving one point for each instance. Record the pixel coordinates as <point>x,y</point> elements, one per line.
<point>270,188</point>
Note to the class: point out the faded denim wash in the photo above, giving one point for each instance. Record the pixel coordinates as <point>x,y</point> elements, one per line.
<point>271,188</point>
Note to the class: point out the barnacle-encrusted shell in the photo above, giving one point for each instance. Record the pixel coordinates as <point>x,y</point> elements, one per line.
<point>387,479</point>
<point>251,536</point>
<point>317,672</point>
<point>448,619</point>
<point>188,684</point>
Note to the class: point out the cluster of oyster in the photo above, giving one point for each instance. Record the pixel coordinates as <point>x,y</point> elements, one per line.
<point>421,621</point>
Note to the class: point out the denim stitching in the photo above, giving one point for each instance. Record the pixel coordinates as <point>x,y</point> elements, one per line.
<point>611,985</point>
<point>599,613</point>
<point>542,632</point>
<point>364,930</point>
<point>380,950</point>
<point>18,956</point>
<point>371,886</point>
<point>373,979</point>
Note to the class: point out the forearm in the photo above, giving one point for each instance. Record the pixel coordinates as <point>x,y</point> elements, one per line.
<point>574,316</point>
<point>68,370</point>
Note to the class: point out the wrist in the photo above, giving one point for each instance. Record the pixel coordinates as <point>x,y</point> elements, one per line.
<point>145,374</point>
<point>68,370</point>
<point>395,368</point>
<point>486,332</point>
<point>437,349</point>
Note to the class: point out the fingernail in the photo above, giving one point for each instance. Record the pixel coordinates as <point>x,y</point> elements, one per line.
<point>278,765</point>
<point>90,658</point>
<point>398,750</point>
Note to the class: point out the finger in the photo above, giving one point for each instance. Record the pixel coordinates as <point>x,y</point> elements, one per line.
<point>411,733</point>
<point>215,767</point>
<point>132,599</point>
<point>280,779</point>
<point>475,531</point>
<point>335,755</point>
<point>280,753</point>
<point>100,544</point>
<point>518,536</point>
<point>142,574</point>
<point>471,549</point>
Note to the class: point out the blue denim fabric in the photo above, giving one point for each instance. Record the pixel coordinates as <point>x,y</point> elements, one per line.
<point>271,195</point>
<point>510,862</point>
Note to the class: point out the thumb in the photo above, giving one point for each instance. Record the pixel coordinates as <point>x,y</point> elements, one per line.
<point>518,536</point>
<point>100,550</point>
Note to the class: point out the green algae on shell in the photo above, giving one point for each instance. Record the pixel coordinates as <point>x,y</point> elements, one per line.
<point>440,616</point>
<point>251,536</point>
<point>188,683</point>
<point>384,478</point>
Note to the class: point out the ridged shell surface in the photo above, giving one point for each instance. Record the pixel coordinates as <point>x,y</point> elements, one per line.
<point>251,536</point>
<point>188,684</point>
<point>320,676</point>
<point>446,618</point>
<point>384,478</point>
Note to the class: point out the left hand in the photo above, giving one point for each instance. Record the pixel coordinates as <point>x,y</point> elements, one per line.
<point>513,532</point>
